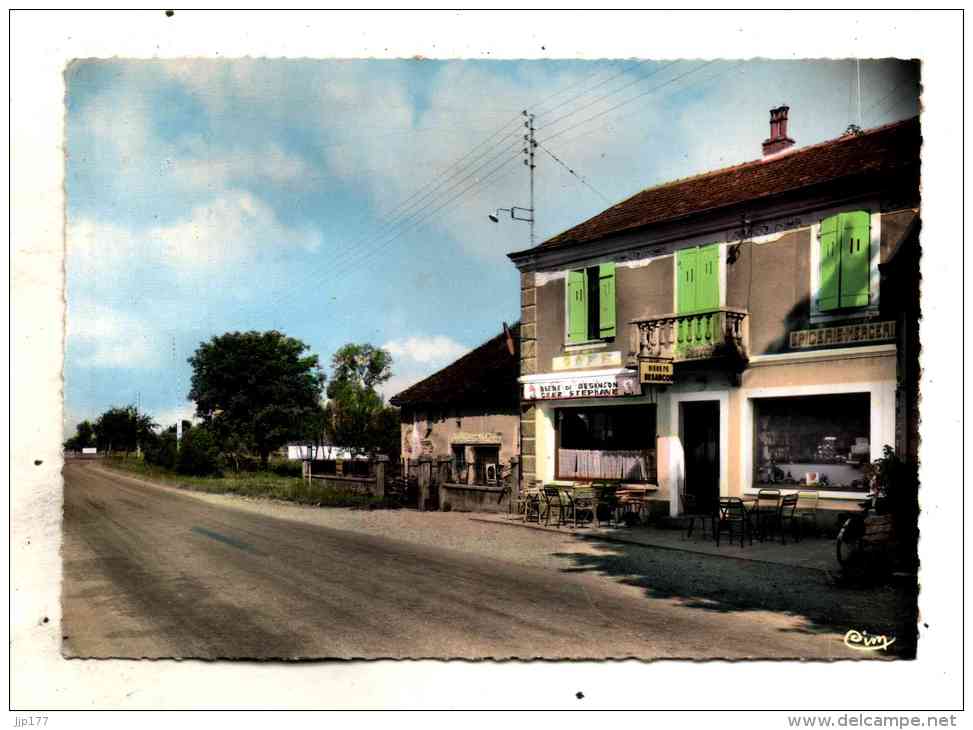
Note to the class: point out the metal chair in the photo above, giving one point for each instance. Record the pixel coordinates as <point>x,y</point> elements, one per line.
<point>807,509</point>
<point>551,501</point>
<point>765,513</point>
<point>733,518</point>
<point>692,510</point>
<point>606,501</point>
<point>583,503</point>
<point>788,516</point>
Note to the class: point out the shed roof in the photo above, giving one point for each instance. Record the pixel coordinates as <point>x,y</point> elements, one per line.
<point>486,375</point>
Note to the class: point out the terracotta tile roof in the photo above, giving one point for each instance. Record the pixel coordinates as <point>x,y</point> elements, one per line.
<point>876,152</point>
<point>484,376</point>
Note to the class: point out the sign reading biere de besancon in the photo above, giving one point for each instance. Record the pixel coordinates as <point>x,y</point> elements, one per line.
<point>655,370</point>
<point>601,386</point>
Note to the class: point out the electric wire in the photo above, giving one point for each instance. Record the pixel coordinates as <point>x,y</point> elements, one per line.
<point>608,95</point>
<point>626,102</point>
<point>566,167</point>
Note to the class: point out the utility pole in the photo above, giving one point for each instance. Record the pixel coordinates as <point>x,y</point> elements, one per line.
<point>529,161</point>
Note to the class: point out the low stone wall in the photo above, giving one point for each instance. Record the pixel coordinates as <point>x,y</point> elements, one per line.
<point>473,498</point>
<point>357,485</point>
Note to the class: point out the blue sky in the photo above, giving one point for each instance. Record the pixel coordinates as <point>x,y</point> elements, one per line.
<point>346,201</point>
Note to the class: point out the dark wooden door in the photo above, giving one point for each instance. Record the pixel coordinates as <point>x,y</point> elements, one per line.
<point>701,446</point>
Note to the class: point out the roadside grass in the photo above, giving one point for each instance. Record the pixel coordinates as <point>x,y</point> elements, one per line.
<point>248,484</point>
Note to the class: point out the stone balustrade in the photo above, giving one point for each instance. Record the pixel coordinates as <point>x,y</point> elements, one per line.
<point>684,337</point>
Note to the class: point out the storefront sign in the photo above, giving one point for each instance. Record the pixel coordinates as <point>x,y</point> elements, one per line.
<point>655,370</point>
<point>597,386</point>
<point>847,335</point>
<point>588,360</point>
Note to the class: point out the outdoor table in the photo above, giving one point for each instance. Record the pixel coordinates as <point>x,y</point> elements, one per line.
<point>632,499</point>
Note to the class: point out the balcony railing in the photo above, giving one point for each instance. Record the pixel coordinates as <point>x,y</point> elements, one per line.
<point>698,336</point>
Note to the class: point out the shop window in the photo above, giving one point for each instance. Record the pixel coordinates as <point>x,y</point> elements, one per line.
<point>591,303</point>
<point>821,440</point>
<point>614,443</point>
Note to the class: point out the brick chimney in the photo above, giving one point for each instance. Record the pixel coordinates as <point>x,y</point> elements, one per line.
<point>778,140</point>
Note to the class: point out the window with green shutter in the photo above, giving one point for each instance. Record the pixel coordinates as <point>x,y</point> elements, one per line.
<point>844,246</point>
<point>698,279</point>
<point>591,303</point>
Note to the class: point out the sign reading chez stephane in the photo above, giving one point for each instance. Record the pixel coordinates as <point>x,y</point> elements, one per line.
<point>600,386</point>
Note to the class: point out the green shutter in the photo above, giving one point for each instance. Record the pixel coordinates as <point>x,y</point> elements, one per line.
<point>830,257</point>
<point>686,276</point>
<point>606,300</point>
<point>708,283</point>
<point>855,231</point>
<point>577,306</point>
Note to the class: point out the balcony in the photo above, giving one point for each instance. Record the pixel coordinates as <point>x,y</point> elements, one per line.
<point>716,333</point>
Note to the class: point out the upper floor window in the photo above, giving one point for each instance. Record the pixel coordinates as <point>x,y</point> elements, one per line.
<point>698,279</point>
<point>844,262</point>
<point>591,303</point>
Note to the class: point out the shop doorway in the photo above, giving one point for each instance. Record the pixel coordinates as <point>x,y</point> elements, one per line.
<point>701,448</point>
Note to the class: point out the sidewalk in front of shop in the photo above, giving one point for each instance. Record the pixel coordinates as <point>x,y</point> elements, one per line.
<point>813,553</point>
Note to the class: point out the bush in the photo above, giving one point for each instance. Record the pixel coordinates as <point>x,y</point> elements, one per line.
<point>199,454</point>
<point>163,452</point>
<point>287,468</point>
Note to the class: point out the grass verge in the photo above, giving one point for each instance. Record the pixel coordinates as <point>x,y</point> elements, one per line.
<point>248,484</point>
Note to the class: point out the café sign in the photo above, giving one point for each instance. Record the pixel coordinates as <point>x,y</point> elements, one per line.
<point>592,386</point>
<point>655,370</point>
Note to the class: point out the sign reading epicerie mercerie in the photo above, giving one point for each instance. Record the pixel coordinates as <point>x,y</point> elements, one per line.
<point>600,386</point>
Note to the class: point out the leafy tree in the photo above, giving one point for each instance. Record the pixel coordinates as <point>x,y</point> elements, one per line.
<point>356,417</point>
<point>164,451</point>
<point>199,453</point>
<point>84,437</point>
<point>123,429</point>
<point>255,389</point>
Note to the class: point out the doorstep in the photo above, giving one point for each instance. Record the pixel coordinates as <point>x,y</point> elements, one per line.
<point>808,554</point>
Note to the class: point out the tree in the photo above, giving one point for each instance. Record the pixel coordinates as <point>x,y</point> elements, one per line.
<point>255,388</point>
<point>356,417</point>
<point>123,429</point>
<point>84,437</point>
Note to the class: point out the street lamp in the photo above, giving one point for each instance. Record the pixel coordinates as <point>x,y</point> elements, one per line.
<point>495,217</point>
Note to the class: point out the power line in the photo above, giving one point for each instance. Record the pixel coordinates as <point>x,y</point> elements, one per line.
<point>371,245</point>
<point>702,84</point>
<point>628,101</point>
<point>590,89</point>
<point>364,255</point>
<point>565,166</point>
<point>609,94</point>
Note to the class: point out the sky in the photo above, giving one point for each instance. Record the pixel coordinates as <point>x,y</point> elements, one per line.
<point>346,200</point>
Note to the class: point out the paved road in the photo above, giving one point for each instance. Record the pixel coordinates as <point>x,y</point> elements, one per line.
<point>154,572</point>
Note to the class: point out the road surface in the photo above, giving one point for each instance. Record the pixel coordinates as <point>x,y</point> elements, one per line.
<point>151,571</point>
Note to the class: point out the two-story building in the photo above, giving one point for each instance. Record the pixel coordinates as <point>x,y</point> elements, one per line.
<point>754,325</point>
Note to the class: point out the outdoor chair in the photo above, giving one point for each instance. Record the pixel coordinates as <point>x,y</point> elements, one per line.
<point>807,510</point>
<point>788,517</point>
<point>567,505</point>
<point>606,503</point>
<point>529,505</point>
<point>551,503</point>
<point>692,510</point>
<point>734,519</point>
<point>765,514</point>
<point>584,505</point>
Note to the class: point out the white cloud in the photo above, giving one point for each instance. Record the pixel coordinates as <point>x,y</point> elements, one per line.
<point>231,228</point>
<point>106,338</point>
<point>172,416</point>
<point>426,350</point>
